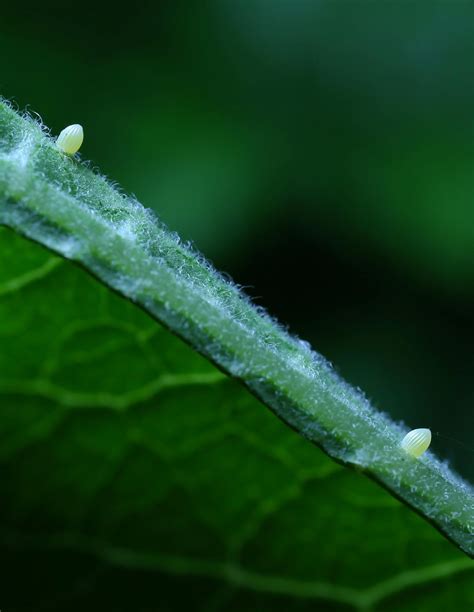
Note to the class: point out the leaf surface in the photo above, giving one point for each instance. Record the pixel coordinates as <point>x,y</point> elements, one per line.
<point>121,444</point>
<point>129,464</point>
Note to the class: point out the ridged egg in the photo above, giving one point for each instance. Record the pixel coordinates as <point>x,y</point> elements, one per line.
<point>416,442</point>
<point>70,139</point>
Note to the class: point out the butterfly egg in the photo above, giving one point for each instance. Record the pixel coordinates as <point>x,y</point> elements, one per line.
<point>70,139</point>
<point>416,442</point>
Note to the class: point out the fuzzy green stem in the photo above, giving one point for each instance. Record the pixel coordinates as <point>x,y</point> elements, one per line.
<point>60,203</point>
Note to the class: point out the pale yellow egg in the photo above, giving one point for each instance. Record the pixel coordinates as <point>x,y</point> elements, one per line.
<point>70,139</point>
<point>416,442</point>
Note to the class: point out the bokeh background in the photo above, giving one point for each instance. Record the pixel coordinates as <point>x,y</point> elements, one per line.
<point>320,152</point>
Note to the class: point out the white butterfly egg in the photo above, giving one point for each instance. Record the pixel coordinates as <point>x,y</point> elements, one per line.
<point>70,139</point>
<point>416,442</point>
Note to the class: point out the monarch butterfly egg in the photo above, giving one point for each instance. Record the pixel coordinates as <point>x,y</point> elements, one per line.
<point>70,139</point>
<point>416,442</point>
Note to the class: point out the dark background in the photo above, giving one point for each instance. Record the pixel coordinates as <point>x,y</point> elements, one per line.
<point>320,152</point>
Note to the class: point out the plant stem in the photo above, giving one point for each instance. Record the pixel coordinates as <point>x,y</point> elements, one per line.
<point>60,203</point>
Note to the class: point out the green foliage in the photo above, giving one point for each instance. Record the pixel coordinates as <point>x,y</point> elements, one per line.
<point>136,476</point>
<point>320,152</point>
<point>52,199</point>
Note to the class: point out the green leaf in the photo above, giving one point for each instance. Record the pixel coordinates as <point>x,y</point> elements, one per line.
<point>132,470</point>
<point>121,447</point>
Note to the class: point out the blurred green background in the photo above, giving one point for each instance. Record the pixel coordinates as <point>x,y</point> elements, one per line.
<point>320,152</point>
